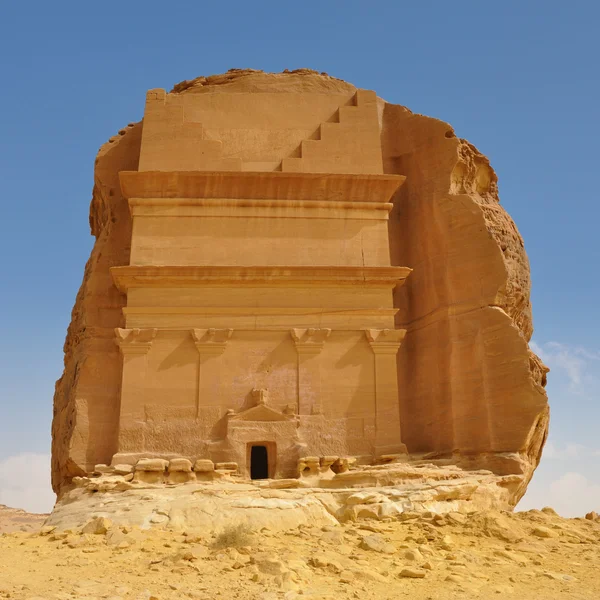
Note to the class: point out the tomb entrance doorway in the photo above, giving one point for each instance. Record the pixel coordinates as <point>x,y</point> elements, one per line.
<point>259,462</point>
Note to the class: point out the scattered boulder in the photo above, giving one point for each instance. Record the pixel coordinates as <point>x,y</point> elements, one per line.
<point>413,573</point>
<point>97,526</point>
<point>377,543</point>
<point>413,555</point>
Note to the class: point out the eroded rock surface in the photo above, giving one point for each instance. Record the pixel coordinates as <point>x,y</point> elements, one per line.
<point>224,499</point>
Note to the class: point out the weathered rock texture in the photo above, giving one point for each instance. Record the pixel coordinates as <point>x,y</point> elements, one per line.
<point>470,390</point>
<point>375,493</point>
<point>471,387</point>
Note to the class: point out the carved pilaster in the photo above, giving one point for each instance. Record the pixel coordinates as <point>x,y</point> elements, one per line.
<point>385,344</point>
<point>134,341</point>
<point>385,341</point>
<point>309,343</point>
<point>135,345</point>
<point>210,343</point>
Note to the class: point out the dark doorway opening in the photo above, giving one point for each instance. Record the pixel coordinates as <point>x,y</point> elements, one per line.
<point>259,462</point>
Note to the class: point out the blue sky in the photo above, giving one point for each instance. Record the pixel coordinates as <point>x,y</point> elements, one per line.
<point>517,79</point>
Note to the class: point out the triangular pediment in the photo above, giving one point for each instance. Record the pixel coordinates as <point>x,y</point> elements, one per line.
<point>261,413</point>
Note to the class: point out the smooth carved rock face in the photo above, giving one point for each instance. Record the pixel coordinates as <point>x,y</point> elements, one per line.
<point>244,241</point>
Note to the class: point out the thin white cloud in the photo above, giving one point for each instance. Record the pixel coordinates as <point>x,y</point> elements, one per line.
<point>571,494</point>
<point>25,482</point>
<point>578,363</point>
<point>568,451</point>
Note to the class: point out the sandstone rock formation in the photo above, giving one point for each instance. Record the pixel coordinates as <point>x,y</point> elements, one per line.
<point>469,389</point>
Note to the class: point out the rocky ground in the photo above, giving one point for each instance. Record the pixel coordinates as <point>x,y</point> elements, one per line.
<point>533,555</point>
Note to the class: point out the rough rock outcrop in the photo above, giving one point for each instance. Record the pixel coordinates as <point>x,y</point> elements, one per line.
<point>471,386</point>
<point>222,500</point>
<point>471,391</point>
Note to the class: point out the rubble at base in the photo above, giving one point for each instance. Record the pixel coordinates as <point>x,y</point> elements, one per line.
<point>155,495</point>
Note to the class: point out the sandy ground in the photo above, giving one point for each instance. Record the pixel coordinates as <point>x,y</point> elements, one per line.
<point>485,555</point>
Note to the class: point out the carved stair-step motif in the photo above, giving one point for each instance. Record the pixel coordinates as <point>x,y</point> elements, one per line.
<point>351,144</point>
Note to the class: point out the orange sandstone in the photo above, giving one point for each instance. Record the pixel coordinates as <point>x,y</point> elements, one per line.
<point>248,301</point>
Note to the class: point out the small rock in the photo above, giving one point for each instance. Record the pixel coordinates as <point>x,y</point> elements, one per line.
<point>377,543</point>
<point>319,561</point>
<point>439,520</point>
<point>446,543</point>
<point>412,572</point>
<point>97,526</point>
<point>413,555</point>
<point>114,537</point>
<point>544,532</point>
<point>368,574</point>
<point>456,517</point>
<point>272,566</point>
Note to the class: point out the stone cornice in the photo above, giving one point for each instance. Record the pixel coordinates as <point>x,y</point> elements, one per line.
<point>211,341</point>
<point>385,341</point>
<point>270,185</point>
<point>134,341</point>
<point>192,276</point>
<point>310,340</point>
<point>222,207</point>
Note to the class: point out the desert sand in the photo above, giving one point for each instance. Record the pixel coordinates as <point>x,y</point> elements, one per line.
<point>530,555</point>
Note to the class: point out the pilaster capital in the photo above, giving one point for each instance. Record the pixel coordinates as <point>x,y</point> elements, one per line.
<point>385,341</point>
<point>309,340</point>
<point>134,341</point>
<point>211,341</point>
